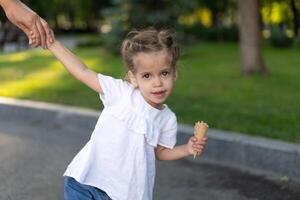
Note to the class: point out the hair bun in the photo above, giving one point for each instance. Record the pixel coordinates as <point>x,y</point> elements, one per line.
<point>166,38</point>
<point>132,34</point>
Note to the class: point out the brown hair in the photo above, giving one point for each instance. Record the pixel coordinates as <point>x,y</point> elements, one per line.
<point>149,40</point>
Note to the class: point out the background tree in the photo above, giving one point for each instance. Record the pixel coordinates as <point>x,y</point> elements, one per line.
<point>295,17</point>
<point>250,38</point>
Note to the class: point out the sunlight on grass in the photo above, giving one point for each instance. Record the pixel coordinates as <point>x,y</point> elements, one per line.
<point>39,79</point>
<point>21,56</point>
<point>15,57</point>
<point>49,74</point>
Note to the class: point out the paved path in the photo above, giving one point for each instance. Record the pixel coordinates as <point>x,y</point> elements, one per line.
<point>34,155</point>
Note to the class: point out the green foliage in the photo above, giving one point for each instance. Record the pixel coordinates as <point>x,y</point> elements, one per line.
<point>280,39</point>
<point>115,18</point>
<point>126,15</point>
<point>219,10</point>
<point>297,42</point>
<point>230,33</point>
<point>113,40</point>
<point>213,33</point>
<point>91,42</point>
<point>276,12</point>
<point>79,14</point>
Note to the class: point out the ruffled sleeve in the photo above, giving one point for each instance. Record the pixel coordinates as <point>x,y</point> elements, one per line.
<point>112,89</point>
<point>169,133</point>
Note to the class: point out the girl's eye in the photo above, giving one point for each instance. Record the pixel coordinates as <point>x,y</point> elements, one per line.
<point>166,73</point>
<point>146,76</point>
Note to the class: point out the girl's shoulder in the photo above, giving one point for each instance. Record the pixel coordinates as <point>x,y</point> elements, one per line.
<point>113,89</point>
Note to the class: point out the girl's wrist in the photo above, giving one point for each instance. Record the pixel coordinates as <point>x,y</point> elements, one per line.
<point>54,44</point>
<point>187,150</point>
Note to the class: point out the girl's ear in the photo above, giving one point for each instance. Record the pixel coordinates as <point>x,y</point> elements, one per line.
<point>132,79</point>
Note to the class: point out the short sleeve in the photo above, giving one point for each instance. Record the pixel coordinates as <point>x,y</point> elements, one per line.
<point>169,133</point>
<point>112,89</point>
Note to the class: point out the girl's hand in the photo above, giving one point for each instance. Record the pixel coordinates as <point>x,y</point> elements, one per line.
<point>50,40</point>
<point>195,146</point>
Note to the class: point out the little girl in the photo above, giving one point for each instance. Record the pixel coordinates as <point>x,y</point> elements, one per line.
<point>135,127</point>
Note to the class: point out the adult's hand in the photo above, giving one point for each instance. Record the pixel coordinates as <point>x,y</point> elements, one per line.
<point>27,20</point>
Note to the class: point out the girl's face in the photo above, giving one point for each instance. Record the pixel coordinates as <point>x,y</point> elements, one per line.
<point>154,76</point>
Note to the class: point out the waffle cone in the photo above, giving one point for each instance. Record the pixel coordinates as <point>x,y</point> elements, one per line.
<point>200,131</point>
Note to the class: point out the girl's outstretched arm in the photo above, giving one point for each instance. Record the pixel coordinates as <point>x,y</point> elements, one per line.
<point>75,66</point>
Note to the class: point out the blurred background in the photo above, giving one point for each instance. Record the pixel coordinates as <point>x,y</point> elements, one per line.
<point>197,19</point>
<point>240,66</point>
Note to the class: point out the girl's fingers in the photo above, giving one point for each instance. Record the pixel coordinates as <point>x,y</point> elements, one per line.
<point>36,33</point>
<point>199,147</point>
<point>198,152</point>
<point>194,139</point>
<point>32,37</point>
<point>200,143</point>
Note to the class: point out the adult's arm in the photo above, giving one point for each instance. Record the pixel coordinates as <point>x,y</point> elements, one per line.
<point>27,20</point>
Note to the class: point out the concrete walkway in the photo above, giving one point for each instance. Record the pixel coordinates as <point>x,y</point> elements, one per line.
<point>35,151</point>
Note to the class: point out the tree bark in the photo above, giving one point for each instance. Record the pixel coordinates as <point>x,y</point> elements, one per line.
<point>250,38</point>
<point>295,17</point>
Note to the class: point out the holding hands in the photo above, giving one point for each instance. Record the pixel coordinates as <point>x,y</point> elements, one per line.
<point>49,40</point>
<point>27,20</point>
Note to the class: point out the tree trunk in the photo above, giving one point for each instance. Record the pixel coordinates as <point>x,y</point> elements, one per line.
<point>250,38</point>
<point>295,17</point>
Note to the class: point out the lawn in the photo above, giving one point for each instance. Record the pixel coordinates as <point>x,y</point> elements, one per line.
<point>209,87</point>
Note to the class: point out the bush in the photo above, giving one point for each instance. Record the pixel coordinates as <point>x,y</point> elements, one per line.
<point>297,42</point>
<point>113,40</point>
<point>230,33</point>
<point>195,30</point>
<point>184,37</point>
<point>91,42</point>
<point>213,33</point>
<point>280,39</point>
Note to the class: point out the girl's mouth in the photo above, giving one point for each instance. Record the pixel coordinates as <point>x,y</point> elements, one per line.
<point>159,94</point>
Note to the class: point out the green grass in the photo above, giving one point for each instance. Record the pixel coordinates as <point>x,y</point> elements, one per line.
<point>209,87</point>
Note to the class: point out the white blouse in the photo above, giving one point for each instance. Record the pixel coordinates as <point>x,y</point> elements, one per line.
<point>119,158</point>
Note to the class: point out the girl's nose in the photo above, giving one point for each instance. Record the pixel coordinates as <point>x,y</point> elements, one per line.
<point>157,81</point>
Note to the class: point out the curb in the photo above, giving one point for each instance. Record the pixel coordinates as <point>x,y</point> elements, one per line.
<point>256,155</point>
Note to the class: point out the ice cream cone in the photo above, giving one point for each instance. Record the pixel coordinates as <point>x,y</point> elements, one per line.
<point>200,131</point>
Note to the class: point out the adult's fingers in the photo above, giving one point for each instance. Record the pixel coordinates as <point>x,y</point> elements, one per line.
<point>48,31</point>
<point>42,33</point>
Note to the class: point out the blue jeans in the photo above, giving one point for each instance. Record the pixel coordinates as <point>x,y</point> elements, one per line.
<point>74,190</point>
